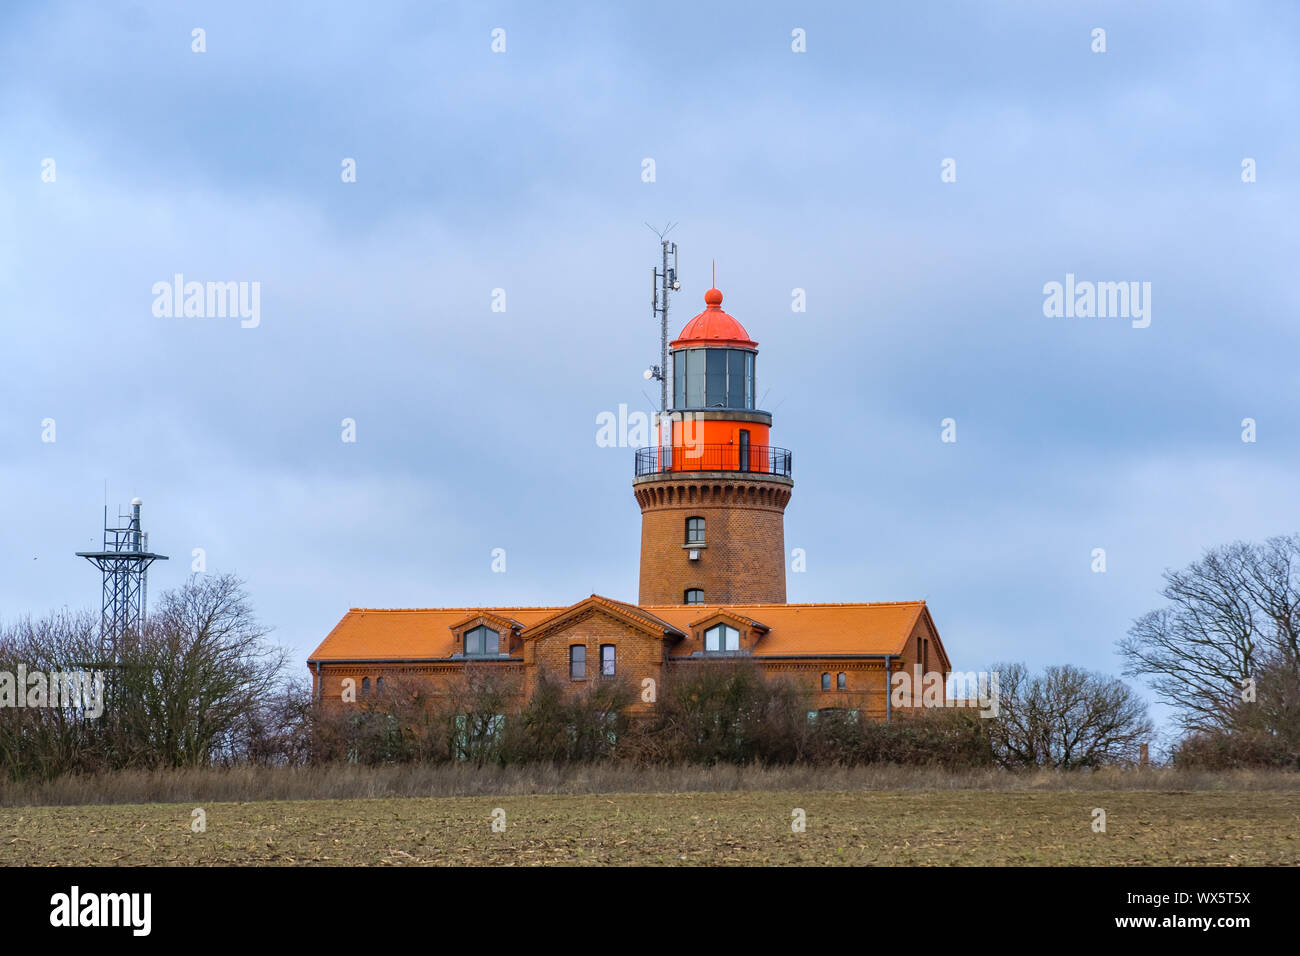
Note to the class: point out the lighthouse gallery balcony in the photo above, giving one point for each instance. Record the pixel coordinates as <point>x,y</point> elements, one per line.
<point>758,460</point>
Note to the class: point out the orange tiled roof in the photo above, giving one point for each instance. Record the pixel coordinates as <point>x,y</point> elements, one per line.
<point>804,629</point>
<point>371,634</point>
<point>811,628</point>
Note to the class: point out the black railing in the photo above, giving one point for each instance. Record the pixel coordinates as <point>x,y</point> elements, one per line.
<point>757,459</point>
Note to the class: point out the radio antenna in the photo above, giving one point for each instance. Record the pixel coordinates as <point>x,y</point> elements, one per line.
<point>663,283</point>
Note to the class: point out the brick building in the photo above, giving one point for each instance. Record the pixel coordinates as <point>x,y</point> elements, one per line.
<point>712,493</point>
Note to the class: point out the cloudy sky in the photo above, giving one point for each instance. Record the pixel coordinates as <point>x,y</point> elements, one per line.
<point>522,170</point>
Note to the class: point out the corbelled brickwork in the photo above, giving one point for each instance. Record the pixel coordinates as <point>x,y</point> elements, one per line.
<point>742,559</point>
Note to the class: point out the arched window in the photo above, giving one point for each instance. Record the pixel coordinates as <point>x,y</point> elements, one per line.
<point>826,681</point>
<point>482,641</point>
<point>842,681</point>
<point>365,687</point>
<point>608,658</point>
<point>578,662</point>
<point>379,684</point>
<point>694,596</point>
<point>695,530</point>
<point>720,637</point>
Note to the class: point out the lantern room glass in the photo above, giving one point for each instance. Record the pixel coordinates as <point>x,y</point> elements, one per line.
<point>713,378</point>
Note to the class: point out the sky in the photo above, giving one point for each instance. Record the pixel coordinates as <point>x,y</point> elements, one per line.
<point>921,171</point>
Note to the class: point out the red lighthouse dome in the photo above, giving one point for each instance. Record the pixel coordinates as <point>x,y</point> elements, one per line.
<point>713,327</point>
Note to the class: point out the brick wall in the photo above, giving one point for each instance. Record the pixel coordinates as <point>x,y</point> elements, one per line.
<point>864,691</point>
<point>743,558</point>
<point>638,655</point>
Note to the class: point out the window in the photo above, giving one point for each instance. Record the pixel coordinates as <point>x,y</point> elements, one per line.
<point>365,687</point>
<point>694,596</point>
<point>826,681</point>
<point>736,378</point>
<point>713,378</point>
<point>475,736</point>
<point>482,642</point>
<point>694,530</point>
<point>379,684</point>
<point>694,378</point>
<point>608,657</point>
<point>842,681</point>
<point>577,662</point>
<point>720,637</point>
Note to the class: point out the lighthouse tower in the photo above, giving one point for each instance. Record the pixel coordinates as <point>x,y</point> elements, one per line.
<point>713,490</point>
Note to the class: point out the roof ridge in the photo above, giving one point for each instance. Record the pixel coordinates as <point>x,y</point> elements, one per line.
<point>806,604</point>
<point>630,604</point>
<point>475,607</point>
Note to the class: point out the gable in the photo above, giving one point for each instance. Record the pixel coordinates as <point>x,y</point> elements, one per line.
<point>924,628</point>
<point>637,650</point>
<point>629,614</point>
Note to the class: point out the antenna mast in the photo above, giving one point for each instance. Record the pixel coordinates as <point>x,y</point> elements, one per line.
<point>124,564</point>
<point>663,282</point>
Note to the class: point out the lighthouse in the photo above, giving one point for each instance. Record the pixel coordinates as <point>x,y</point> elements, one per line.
<point>713,490</point>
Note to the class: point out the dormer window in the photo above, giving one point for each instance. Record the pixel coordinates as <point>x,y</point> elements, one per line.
<point>482,641</point>
<point>721,638</point>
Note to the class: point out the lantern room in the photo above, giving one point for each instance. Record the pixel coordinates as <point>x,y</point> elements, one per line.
<point>716,423</point>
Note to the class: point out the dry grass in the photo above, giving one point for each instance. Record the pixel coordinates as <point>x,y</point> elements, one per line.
<point>1024,826</point>
<point>247,784</point>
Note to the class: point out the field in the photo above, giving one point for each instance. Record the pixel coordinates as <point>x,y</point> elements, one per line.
<point>865,827</point>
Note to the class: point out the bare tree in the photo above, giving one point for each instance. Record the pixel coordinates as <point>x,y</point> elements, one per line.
<point>200,667</point>
<point>1236,607</point>
<point>1065,718</point>
<point>45,741</point>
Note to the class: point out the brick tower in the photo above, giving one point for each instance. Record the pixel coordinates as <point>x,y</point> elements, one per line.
<point>713,491</point>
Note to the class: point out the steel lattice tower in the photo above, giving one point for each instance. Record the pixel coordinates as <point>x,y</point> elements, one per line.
<point>124,563</point>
